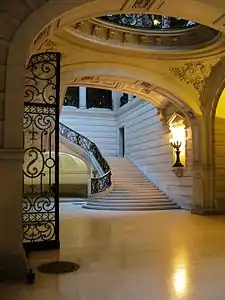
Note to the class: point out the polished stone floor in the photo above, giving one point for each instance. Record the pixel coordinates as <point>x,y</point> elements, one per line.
<point>167,255</point>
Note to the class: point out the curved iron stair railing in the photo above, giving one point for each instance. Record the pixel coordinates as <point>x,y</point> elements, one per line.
<point>98,184</point>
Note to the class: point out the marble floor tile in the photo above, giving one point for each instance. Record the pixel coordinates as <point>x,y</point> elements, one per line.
<point>166,255</point>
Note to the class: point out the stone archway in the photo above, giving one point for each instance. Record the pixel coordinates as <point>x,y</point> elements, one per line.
<point>20,26</point>
<point>135,86</point>
<point>213,107</point>
<point>38,16</point>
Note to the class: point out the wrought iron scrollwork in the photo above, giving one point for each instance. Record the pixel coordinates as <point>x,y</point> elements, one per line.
<point>148,21</point>
<point>98,184</point>
<point>41,162</point>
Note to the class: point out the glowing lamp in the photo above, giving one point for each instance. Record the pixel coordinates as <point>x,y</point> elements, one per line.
<point>177,138</point>
<point>156,22</point>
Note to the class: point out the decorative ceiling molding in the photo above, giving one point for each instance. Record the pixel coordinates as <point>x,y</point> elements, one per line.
<point>147,4</point>
<point>188,39</point>
<point>194,73</point>
<point>220,21</point>
<point>140,88</point>
<point>47,46</point>
<point>162,115</point>
<point>143,4</point>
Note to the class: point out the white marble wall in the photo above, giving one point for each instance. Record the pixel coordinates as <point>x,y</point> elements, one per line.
<point>99,125</point>
<point>147,144</point>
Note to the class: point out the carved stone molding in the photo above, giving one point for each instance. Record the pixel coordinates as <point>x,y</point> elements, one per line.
<point>47,46</point>
<point>147,4</point>
<point>143,4</point>
<point>194,73</point>
<point>162,115</point>
<point>143,89</point>
<point>99,31</point>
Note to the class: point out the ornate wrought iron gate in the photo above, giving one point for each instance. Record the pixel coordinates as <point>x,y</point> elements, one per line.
<point>41,152</point>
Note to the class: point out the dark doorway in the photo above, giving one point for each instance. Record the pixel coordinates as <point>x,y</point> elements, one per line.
<point>121,141</point>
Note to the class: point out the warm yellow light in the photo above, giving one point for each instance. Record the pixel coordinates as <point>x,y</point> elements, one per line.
<point>180,280</point>
<point>180,273</point>
<point>177,133</point>
<point>156,22</point>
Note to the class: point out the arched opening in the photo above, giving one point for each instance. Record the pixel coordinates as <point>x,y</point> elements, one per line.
<point>144,119</point>
<point>219,151</point>
<point>22,37</point>
<point>74,176</point>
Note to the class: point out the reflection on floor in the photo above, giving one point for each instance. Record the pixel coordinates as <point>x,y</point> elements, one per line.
<point>167,255</point>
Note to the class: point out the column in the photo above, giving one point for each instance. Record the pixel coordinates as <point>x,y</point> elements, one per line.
<point>203,185</point>
<point>12,256</point>
<point>82,97</point>
<point>130,97</point>
<point>116,99</point>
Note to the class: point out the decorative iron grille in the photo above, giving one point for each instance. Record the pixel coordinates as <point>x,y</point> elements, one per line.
<point>147,21</point>
<point>41,152</point>
<point>98,184</point>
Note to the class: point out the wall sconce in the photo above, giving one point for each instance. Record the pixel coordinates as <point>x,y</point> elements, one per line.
<point>177,141</point>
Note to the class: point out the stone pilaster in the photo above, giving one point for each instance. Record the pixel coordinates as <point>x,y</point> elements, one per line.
<point>116,95</point>
<point>203,195</point>
<point>82,97</point>
<point>12,256</point>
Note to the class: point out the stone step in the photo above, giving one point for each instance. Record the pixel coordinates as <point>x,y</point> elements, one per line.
<point>124,178</point>
<point>132,191</point>
<point>122,208</point>
<point>135,202</point>
<point>132,203</point>
<point>135,197</point>
<point>136,194</point>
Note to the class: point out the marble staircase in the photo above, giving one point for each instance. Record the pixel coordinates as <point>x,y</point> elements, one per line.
<point>131,190</point>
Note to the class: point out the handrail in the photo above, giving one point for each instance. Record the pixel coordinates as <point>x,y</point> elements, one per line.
<point>98,184</point>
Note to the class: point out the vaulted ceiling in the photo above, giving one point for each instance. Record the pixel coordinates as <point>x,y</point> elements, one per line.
<point>157,67</point>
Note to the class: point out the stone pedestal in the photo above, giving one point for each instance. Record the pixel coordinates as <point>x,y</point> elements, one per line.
<point>12,256</point>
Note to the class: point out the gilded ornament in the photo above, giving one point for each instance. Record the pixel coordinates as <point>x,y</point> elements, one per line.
<point>194,73</point>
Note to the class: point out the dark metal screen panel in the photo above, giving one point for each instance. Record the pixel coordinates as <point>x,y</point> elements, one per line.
<point>41,152</point>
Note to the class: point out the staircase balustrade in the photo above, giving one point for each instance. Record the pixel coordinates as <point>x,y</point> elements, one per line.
<point>98,184</point>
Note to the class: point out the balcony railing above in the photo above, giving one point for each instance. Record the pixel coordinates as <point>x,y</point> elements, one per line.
<point>183,35</point>
<point>148,21</point>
